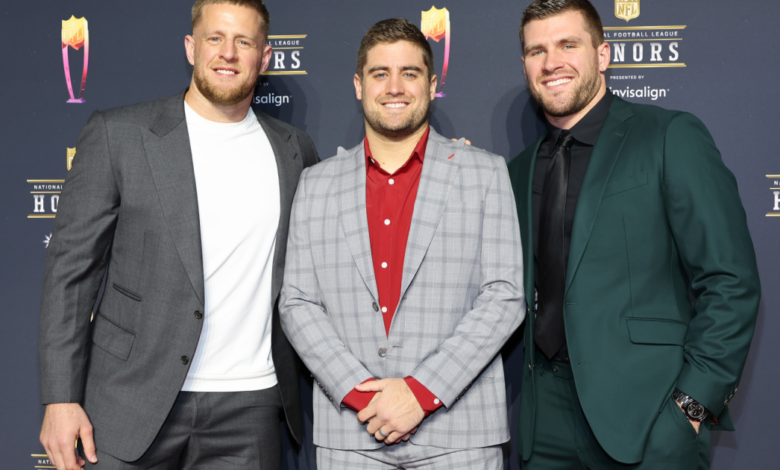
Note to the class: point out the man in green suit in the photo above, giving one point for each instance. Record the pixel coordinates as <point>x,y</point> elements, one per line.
<point>640,257</point>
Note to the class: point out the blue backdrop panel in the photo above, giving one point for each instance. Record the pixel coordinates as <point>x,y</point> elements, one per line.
<point>714,59</point>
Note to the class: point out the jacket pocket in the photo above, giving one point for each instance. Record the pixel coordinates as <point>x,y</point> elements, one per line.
<point>127,292</point>
<point>656,331</point>
<point>625,183</point>
<point>112,338</point>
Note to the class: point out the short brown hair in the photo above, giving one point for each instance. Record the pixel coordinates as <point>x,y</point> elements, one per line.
<point>256,5</point>
<point>391,31</point>
<point>541,9</point>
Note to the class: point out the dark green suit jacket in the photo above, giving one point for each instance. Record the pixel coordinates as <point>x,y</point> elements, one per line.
<point>658,216</point>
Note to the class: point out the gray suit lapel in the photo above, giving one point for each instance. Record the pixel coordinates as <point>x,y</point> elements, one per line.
<point>289,165</point>
<point>351,187</point>
<point>436,181</point>
<point>167,145</point>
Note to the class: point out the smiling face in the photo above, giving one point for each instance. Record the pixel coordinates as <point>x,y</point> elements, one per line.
<point>565,72</point>
<point>228,51</point>
<point>395,89</point>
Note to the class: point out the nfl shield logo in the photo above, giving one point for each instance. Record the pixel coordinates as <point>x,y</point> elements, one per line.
<point>434,23</point>
<point>626,9</point>
<point>73,32</point>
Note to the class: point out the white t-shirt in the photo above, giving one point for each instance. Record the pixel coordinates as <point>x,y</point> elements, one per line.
<point>238,204</point>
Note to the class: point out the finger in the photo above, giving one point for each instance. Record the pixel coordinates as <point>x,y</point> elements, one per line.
<point>373,386</point>
<point>366,413</point>
<point>69,457</point>
<point>468,142</point>
<point>393,438</point>
<point>406,437</point>
<point>413,431</point>
<point>374,425</point>
<point>379,436</point>
<point>88,443</point>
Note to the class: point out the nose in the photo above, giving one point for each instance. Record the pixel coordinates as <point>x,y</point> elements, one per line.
<point>228,51</point>
<point>395,85</point>
<point>553,61</point>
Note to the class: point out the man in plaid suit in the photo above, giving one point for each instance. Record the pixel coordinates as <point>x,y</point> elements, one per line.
<point>404,279</point>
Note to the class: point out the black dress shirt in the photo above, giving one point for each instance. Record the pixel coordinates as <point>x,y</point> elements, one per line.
<point>585,133</point>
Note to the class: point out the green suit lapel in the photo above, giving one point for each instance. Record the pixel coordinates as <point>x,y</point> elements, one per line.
<point>613,135</point>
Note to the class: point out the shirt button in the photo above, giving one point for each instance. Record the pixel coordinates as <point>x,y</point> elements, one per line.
<point>185,360</point>
<point>387,221</point>
<point>376,307</point>
<point>382,352</point>
<point>384,309</point>
<point>391,181</point>
<point>384,265</point>
<point>198,314</point>
<point>436,401</point>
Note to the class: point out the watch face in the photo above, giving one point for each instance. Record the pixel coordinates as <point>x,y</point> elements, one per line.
<point>695,411</point>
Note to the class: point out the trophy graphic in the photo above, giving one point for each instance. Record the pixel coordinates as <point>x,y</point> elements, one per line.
<point>75,34</point>
<point>436,25</point>
<point>71,155</point>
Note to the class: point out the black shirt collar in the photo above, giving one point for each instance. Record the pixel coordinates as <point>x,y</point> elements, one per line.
<point>587,130</point>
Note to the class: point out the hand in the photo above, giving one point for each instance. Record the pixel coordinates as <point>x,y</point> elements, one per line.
<point>395,410</point>
<point>63,425</point>
<point>468,142</point>
<point>696,424</point>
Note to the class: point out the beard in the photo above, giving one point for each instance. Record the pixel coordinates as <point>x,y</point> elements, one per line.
<point>578,98</point>
<point>220,96</point>
<point>400,128</point>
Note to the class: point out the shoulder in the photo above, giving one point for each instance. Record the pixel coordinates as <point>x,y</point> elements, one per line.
<point>140,114</point>
<point>305,143</point>
<point>469,157</point>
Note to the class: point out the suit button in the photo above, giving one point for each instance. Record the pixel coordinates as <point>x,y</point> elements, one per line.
<point>376,307</point>
<point>555,368</point>
<point>198,314</point>
<point>185,360</point>
<point>530,367</point>
<point>382,352</point>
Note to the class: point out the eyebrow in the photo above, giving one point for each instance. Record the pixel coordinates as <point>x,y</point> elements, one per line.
<point>566,40</point>
<point>384,67</point>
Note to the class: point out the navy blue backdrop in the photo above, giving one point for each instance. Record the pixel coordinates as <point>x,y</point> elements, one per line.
<point>714,58</point>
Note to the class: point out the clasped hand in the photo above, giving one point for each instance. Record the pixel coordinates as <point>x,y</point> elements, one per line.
<point>394,410</point>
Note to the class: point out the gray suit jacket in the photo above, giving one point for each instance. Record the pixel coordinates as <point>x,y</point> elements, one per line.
<point>461,294</point>
<point>129,211</point>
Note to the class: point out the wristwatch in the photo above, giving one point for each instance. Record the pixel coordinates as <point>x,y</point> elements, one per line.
<point>692,408</point>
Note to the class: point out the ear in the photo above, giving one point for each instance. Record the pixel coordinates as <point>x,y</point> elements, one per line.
<point>604,53</point>
<point>434,84</point>
<point>358,87</point>
<point>189,48</point>
<point>266,61</point>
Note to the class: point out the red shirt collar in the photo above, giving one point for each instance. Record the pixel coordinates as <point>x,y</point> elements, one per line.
<point>419,151</point>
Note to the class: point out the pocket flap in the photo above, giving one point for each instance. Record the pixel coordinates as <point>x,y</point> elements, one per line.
<point>656,331</point>
<point>111,338</point>
<point>625,183</point>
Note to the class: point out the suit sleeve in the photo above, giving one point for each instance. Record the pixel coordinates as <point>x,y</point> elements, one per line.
<point>76,261</point>
<point>498,309</point>
<point>710,230</point>
<point>304,319</point>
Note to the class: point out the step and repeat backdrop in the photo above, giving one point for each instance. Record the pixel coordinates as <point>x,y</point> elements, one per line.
<point>65,59</point>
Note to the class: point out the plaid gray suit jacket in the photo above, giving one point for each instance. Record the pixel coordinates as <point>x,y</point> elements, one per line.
<point>461,294</point>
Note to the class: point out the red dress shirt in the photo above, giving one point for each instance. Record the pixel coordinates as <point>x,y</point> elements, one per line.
<point>390,207</point>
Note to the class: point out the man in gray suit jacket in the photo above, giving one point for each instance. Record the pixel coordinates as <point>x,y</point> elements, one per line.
<point>182,205</point>
<point>404,276</point>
